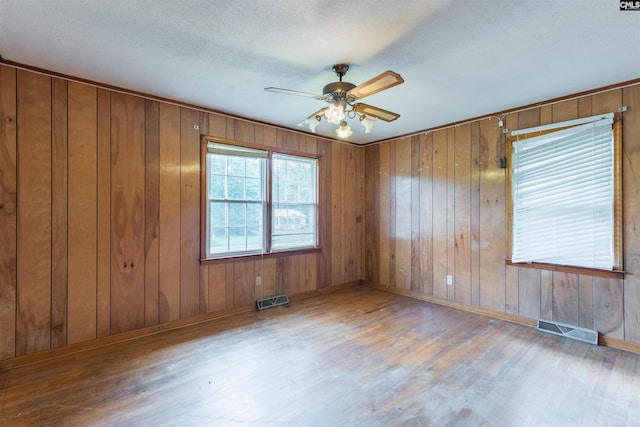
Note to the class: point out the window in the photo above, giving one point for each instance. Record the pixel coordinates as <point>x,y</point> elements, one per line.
<point>565,195</point>
<point>294,202</point>
<point>240,216</point>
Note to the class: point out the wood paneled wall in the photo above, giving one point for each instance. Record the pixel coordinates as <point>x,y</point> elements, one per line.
<point>99,215</point>
<point>435,206</point>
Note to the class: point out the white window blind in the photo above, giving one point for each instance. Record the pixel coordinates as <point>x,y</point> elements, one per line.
<point>563,197</point>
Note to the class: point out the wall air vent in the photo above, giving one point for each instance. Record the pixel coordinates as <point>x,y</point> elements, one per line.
<point>570,331</point>
<point>272,301</point>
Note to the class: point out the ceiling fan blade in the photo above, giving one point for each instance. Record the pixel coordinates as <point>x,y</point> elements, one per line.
<point>378,113</point>
<point>318,113</point>
<point>295,92</point>
<point>377,84</point>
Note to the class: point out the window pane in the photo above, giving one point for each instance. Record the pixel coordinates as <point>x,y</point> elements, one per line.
<point>237,239</point>
<point>253,189</point>
<point>217,164</point>
<point>294,226</point>
<point>218,214</point>
<point>217,185</point>
<point>237,214</point>
<point>254,237</point>
<point>306,184</point>
<point>235,188</point>
<point>236,166</point>
<point>218,241</point>
<point>254,214</point>
<point>254,169</point>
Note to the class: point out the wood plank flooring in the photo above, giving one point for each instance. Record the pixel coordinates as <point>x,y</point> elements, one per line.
<point>349,358</point>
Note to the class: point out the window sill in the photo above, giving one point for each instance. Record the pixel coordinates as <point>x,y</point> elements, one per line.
<point>614,274</point>
<point>224,260</point>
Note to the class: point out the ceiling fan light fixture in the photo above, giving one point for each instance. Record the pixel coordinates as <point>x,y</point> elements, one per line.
<point>336,112</point>
<point>344,131</point>
<point>312,122</point>
<point>367,122</point>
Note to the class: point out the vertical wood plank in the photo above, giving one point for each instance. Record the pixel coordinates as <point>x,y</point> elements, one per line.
<point>189,213</point>
<point>311,266</point>
<point>204,289</point>
<point>217,287</point>
<point>546,295</point>
<point>451,213</point>
<point>372,216</point>
<point>243,283</point>
<point>462,214</point>
<point>33,329</point>
<point>606,102</point>
<point>288,140</point>
<point>59,224</point>
<point>152,212</point>
<point>608,307</point>
<point>585,302</point>
<point>268,277</point>
<point>336,215</point>
<point>414,272</point>
<point>289,274</point>
<point>103,256</point>
<point>217,125</point>
<point>383,211</point>
<point>492,218</point>
<point>324,216</point>
<point>426,214</point>
<point>584,106</point>
<point>529,293</point>
<point>565,110</point>
<point>631,211</point>
<point>169,217</point>
<point>8,216</point>
<point>349,223</point>
<point>392,216</point>
<point>269,136</point>
<point>402,190</point>
<point>244,131</point>
<point>439,214</point>
<point>545,116</point>
<point>565,297</point>
<point>229,281</point>
<point>476,249</point>
<point>127,212</point>
<point>82,212</point>
<point>359,218</point>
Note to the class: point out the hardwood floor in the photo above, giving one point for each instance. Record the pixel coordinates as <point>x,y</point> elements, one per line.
<point>354,357</point>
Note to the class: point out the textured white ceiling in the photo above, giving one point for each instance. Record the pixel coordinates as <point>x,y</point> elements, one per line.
<point>459,58</point>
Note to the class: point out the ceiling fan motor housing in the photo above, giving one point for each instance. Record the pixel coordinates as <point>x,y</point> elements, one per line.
<point>337,90</point>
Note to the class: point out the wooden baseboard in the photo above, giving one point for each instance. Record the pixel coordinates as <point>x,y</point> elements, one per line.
<point>151,330</point>
<point>602,340</point>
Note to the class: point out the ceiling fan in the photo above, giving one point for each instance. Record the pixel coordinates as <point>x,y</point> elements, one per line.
<point>342,97</point>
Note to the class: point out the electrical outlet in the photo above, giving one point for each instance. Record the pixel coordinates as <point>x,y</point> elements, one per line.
<point>449,280</point>
<point>258,280</point>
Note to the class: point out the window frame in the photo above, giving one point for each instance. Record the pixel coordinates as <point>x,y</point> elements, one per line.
<point>617,271</point>
<point>267,214</point>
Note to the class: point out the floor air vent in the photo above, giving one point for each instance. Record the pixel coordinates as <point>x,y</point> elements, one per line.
<point>569,331</point>
<point>272,301</point>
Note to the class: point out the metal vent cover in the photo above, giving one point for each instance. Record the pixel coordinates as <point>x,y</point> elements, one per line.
<point>273,301</point>
<point>570,331</point>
